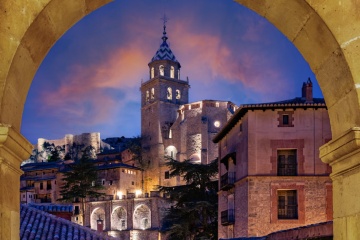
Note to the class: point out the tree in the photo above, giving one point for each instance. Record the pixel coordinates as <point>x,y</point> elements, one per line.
<point>80,180</point>
<point>139,156</point>
<point>194,212</point>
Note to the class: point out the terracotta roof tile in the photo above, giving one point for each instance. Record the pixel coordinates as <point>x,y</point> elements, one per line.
<point>36,224</point>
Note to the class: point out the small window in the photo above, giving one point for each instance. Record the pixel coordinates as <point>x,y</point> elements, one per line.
<point>152,73</point>
<point>178,94</point>
<point>161,70</point>
<point>132,183</point>
<point>241,127</point>
<point>111,182</point>
<point>48,185</point>
<point>287,204</point>
<point>167,175</point>
<point>285,118</point>
<point>103,182</point>
<point>123,227</point>
<point>41,186</point>
<point>172,72</point>
<point>147,96</point>
<point>169,93</point>
<point>93,183</point>
<point>152,93</point>
<point>77,210</point>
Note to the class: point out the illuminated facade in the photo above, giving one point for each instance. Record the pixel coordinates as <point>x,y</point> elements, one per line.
<point>270,175</point>
<point>170,125</point>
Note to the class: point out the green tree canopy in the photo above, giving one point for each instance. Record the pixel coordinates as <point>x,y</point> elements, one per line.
<point>194,212</point>
<point>80,179</point>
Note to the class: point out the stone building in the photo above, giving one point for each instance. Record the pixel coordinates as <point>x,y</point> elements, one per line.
<point>38,183</point>
<point>170,125</point>
<point>270,175</point>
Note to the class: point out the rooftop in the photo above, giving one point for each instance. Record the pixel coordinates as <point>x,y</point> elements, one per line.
<point>36,224</point>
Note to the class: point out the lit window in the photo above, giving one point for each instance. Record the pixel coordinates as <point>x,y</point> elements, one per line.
<point>152,93</point>
<point>287,204</point>
<point>161,70</point>
<point>172,72</point>
<point>147,96</point>
<point>169,93</point>
<point>152,73</point>
<point>178,94</point>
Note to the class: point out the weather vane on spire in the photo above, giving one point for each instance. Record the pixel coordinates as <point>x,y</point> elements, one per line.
<point>165,19</point>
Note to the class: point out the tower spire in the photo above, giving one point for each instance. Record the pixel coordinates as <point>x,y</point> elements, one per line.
<point>165,19</point>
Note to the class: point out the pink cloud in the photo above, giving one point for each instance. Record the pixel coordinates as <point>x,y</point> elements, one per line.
<point>86,86</point>
<point>207,58</point>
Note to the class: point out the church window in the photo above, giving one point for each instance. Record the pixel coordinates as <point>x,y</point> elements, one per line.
<point>152,93</point>
<point>147,96</point>
<point>161,69</point>
<point>169,93</point>
<point>172,72</point>
<point>152,73</point>
<point>178,94</point>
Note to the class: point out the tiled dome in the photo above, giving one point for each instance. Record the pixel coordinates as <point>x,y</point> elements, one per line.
<point>164,52</point>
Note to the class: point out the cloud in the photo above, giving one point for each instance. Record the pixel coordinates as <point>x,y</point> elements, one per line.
<point>93,91</point>
<point>208,57</point>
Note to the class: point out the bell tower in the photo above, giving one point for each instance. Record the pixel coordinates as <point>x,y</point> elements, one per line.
<point>161,97</point>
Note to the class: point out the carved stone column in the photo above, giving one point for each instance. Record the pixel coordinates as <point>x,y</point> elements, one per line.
<point>14,148</point>
<point>343,155</point>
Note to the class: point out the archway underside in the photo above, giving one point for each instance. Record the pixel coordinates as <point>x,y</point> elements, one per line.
<point>326,33</point>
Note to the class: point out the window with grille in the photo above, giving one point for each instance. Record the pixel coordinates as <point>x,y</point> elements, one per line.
<point>287,163</point>
<point>287,204</point>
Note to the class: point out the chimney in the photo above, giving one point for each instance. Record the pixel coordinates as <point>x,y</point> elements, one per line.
<point>307,91</point>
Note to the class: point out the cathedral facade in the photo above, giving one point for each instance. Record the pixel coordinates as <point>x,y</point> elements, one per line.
<point>171,126</point>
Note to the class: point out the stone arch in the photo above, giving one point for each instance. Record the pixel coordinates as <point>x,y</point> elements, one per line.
<point>327,35</point>
<point>142,217</point>
<point>96,214</point>
<point>195,158</point>
<point>119,219</point>
<point>171,152</point>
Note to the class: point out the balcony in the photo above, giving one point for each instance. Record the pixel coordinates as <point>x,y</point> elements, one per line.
<point>227,217</point>
<point>227,181</point>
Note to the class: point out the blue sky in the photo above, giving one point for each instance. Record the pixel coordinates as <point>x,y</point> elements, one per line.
<point>90,79</point>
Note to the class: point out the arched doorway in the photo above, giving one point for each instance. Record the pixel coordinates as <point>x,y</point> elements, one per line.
<point>96,215</point>
<point>327,35</point>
